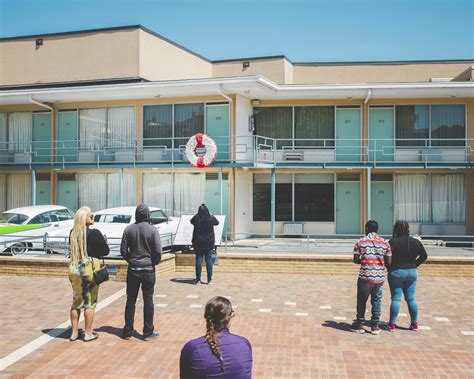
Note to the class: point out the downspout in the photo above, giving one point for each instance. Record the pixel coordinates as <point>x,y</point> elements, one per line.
<point>30,98</point>
<point>367,98</point>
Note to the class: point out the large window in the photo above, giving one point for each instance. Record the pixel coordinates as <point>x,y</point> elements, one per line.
<point>430,125</point>
<point>315,123</point>
<point>438,198</point>
<point>310,126</point>
<point>158,125</point>
<point>188,121</point>
<point>298,197</point>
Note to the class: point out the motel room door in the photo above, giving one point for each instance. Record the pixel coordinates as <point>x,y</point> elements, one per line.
<point>67,136</point>
<point>348,135</point>
<point>67,191</point>
<point>217,127</point>
<point>213,196</point>
<point>381,134</point>
<point>381,202</point>
<point>42,137</point>
<point>348,207</point>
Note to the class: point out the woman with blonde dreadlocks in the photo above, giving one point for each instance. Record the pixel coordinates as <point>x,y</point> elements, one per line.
<point>86,246</point>
<point>218,354</point>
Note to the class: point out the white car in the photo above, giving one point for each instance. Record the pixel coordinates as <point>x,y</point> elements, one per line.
<point>23,229</point>
<point>113,221</point>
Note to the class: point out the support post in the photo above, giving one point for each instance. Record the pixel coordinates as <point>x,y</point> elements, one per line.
<point>272,205</point>
<point>33,187</point>
<point>121,187</point>
<point>219,183</point>
<point>369,193</point>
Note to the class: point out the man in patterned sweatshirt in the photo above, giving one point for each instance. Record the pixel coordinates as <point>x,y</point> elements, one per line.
<point>373,254</point>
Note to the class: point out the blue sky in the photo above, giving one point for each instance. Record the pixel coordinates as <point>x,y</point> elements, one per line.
<point>303,30</point>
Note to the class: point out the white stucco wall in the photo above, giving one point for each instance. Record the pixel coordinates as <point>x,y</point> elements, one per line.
<point>243,203</point>
<point>244,139</point>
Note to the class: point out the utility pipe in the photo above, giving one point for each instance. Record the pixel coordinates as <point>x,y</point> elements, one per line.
<point>31,100</point>
<point>367,98</point>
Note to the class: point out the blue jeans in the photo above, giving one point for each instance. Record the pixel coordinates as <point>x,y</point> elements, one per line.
<point>364,289</point>
<point>403,280</point>
<point>209,262</point>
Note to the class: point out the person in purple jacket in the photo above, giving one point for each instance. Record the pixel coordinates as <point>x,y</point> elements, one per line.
<point>218,354</point>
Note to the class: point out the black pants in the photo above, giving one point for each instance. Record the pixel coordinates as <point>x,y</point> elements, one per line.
<point>147,279</point>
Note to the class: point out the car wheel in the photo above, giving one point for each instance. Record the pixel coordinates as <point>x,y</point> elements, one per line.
<point>19,248</point>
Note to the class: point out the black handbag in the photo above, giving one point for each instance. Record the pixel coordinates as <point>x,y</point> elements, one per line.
<point>101,274</point>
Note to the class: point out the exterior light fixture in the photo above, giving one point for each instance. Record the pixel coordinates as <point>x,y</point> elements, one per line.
<point>246,64</point>
<point>255,102</point>
<point>39,42</point>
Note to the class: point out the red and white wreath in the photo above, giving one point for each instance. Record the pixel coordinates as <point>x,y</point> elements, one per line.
<point>198,141</point>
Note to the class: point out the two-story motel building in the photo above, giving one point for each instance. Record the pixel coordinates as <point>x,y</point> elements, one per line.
<point>101,118</point>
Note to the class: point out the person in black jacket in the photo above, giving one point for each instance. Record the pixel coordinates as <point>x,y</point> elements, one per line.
<point>87,245</point>
<point>141,248</point>
<point>407,254</point>
<point>204,241</point>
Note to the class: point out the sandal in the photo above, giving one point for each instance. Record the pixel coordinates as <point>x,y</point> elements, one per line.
<point>72,339</point>
<point>94,337</point>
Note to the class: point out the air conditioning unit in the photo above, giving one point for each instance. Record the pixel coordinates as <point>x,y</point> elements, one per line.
<point>292,229</point>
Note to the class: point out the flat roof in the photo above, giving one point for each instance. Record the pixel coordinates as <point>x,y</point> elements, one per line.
<point>310,63</point>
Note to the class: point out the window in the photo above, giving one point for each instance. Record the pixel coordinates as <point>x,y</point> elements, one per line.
<point>448,125</point>
<point>13,218</point>
<point>430,125</point>
<point>316,123</point>
<point>412,125</point>
<point>274,122</point>
<point>188,121</point>
<point>158,217</point>
<point>312,200</point>
<point>113,218</point>
<point>158,126</point>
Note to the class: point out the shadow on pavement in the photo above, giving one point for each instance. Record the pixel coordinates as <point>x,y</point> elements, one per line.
<point>62,333</point>
<point>110,330</point>
<point>344,326</point>
<point>182,280</point>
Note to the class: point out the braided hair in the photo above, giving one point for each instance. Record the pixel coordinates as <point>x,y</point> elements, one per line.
<point>401,228</point>
<point>218,313</point>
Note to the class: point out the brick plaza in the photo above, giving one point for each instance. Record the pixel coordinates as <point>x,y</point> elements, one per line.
<point>297,324</point>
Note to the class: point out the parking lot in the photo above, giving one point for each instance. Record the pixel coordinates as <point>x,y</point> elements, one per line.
<point>297,324</point>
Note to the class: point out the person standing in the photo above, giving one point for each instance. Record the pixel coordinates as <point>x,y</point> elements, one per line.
<point>204,241</point>
<point>408,254</point>
<point>87,245</point>
<point>218,354</point>
<point>141,248</point>
<point>373,253</point>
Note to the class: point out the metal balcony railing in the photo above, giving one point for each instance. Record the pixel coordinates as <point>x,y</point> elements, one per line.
<point>250,150</point>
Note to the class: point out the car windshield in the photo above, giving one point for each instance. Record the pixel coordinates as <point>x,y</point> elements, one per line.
<point>13,218</point>
<point>117,219</point>
<point>157,217</point>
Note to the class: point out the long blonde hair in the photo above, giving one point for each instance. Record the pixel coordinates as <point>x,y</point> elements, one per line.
<point>79,235</point>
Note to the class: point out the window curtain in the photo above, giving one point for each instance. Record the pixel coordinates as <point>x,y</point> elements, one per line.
<point>158,125</point>
<point>158,191</point>
<point>449,198</point>
<point>92,191</point>
<point>274,122</point>
<point>3,192</point>
<point>412,198</point>
<point>121,127</point>
<point>448,122</point>
<point>189,192</point>
<point>314,123</point>
<point>129,189</point>
<point>92,127</point>
<point>188,120</point>
<point>3,131</point>
<point>412,124</point>
<point>113,190</point>
<point>20,130</point>
<point>18,190</point>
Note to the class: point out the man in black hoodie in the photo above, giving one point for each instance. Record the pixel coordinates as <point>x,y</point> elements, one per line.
<point>141,248</point>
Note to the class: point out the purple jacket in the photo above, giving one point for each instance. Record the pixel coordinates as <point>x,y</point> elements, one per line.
<point>197,360</point>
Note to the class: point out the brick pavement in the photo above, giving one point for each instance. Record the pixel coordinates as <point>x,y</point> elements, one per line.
<point>305,334</point>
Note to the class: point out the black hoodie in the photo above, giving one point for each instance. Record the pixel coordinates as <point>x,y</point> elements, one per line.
<point>141,242</point>
<point>203,232</point>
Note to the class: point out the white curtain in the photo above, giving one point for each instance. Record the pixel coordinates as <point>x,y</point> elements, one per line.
<point>158,191</point>
<point>129,188</point>
<point>3,131</point>
<point>92,127</point>
<point>3,192</point>
<point>189,192</point>
<point>449,198</point>
<point>18,190</point>
<point>121,126</point>
<point>20,130</point>
<point>113,190</point>
<point>92,190</point>
<point>412,198</point>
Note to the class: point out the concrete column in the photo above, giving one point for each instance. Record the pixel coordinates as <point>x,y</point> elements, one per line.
<point>272,205</point>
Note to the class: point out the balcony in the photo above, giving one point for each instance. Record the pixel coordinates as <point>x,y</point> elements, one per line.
<point>249,151</point>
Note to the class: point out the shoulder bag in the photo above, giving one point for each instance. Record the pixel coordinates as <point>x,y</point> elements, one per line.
<point>101,274</point>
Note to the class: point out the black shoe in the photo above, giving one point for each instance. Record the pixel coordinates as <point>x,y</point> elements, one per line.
<point>126,337</point>
<point>151,336</point>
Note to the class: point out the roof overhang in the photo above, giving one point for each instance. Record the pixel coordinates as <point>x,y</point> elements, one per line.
<point>252,87</point>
